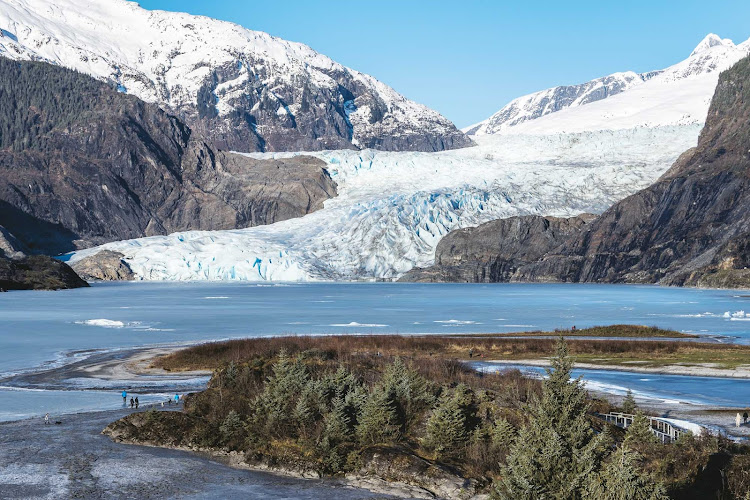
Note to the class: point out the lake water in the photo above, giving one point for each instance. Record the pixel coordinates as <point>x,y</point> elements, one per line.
<point>43,329</point>
<point>661,388</point>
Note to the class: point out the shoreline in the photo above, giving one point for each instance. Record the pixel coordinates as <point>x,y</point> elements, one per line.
<point>684,370</point>
<point>75,460</point>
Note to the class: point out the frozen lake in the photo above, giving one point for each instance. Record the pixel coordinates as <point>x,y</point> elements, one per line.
<point>44,329</point>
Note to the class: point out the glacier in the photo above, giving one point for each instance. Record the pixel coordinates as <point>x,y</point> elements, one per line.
<point>393,207</point>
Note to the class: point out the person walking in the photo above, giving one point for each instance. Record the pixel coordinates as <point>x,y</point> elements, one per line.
<point>132,402</point>
<point>46,418</point>
<point>136,402</point>
<point>124,398</point>
<point>176,399</point>
<point>744,418</point>
<point>738,419</point>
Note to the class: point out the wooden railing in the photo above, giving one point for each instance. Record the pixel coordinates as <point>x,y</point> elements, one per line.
<point>665,431</point>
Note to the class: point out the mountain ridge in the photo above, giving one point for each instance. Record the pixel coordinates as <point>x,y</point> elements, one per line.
<point>526,114</point>
<point>243,90</point>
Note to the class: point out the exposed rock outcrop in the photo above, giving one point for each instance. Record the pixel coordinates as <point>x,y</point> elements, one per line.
<point>37,272</point>
<point>494,251</point>
<point>90,165</point>
<point>10,247</point>
<point>104,266</point>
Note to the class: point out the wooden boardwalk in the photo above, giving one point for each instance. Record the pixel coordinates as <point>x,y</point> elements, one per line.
<point>665,431</point>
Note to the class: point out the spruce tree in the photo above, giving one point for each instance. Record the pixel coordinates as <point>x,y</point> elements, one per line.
<point>622,479</point>
<point>639,432</point>
<point>628,404</point>
<point>379,421</point>
<point>338,423</point>
<point>276,405</point>
<point>411,394</point>
<point>452,423</point>
<point>232,429</point>
<point>503,434</point>
<point>557,449</point>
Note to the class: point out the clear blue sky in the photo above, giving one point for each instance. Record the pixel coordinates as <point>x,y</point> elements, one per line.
<point>468,58</point>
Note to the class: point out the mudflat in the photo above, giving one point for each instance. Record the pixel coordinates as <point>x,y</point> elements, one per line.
<point>74,460</point>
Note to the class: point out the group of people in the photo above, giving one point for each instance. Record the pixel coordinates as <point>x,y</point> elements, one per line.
<point>133,404</point>
<point>134,401</point>
<point>741,420</point>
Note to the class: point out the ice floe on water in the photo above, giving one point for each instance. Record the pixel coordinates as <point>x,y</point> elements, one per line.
<point>117,324</point>
<point>105,323</point>
<point>217,297</point>
<point>456,322</point>
<point>362,325</point>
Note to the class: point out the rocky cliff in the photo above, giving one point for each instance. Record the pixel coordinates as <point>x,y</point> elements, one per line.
<point>494,251</point>
<point>691,227</point>
<point>83,164</point>
<point>37,272</point>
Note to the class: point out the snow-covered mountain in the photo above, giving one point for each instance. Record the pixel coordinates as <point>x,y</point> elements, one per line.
<point>243,89</point>
<point>393,207</point>
<point>679,94</point>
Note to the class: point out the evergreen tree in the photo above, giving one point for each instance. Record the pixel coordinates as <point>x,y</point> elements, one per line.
<point>379,422</point>
<point>557,449</point>
<point>639,432</point>
<point>628,404</point>
<point>308,410</point>
<point>338,423</point>
<point>503,434</point>
<point>276,406</point>
<point>452,423</point>
<point>411,394</point>
<point>232,430</point>
<point>622,479</point>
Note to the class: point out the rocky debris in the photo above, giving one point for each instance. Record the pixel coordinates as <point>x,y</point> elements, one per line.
<point>169,429</point>
<point>10,247</point>
<point>37,272</point>
<point>74,460</point>
<point>397,465</point>
<point>106,166</point>
<point>105,266</point>
<point>494,251</point>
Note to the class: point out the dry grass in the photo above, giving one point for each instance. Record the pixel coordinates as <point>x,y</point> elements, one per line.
<point>460,347</point>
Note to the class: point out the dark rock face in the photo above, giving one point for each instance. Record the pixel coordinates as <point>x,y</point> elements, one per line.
<point>105,166</point>
<point>494,251</point>
<point>10,247</point>
<point>304,116</point>
<point>105,266</point>
<point>37,272</point>
<point>692,227</point>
